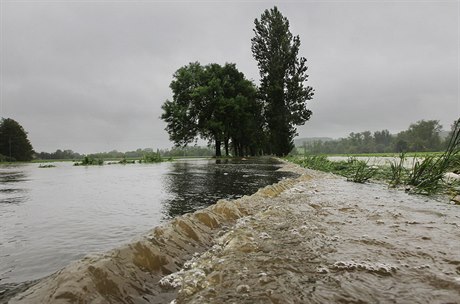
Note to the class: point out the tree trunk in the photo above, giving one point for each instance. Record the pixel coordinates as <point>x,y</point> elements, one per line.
<point>226,147</point>
<point>218,154</point>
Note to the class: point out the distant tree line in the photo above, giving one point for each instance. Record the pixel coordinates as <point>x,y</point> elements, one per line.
<point>422,136</point>
<point>218,104</point>
<point>59,154</point>
<point>190,151</point>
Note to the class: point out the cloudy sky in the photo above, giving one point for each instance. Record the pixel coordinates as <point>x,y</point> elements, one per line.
<point>92,75</point>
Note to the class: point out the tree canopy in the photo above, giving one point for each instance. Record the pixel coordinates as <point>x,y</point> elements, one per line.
<point>216,103</point>
<point>14,143</point>
<point>283,74</point>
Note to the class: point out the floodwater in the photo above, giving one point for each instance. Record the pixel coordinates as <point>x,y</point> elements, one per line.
<point>51,216</point>
<point>326,240</point>
<point>312,239</point>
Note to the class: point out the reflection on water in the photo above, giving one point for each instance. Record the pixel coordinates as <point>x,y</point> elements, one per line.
<point>196,185</point>
<point>49,217</point>
<point>11,191</point>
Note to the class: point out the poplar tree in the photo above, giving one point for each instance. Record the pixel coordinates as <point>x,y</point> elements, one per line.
<point>283,76</point>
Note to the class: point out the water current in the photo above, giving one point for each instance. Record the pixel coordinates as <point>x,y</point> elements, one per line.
<point>51,216</point>
<point>312,239</point>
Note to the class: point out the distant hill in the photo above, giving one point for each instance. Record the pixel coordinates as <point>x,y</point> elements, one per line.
<point>299,141</point>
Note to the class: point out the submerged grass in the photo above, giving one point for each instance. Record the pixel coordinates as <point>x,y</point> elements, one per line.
<point>354,170</point>
<point>151,158</point>
<point>426,176</point>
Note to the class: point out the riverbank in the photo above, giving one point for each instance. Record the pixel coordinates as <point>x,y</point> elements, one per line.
<point>313,239</point>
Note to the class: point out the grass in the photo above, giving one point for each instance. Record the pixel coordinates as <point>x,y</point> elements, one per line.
<point>360,171</point>
<point>398,172</point>
<point>151,158</point>
<point>354,170</point>
<point>426,176</point>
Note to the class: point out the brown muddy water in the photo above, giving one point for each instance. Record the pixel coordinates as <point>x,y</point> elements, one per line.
<point>313,239</point>
<point>52,216</point>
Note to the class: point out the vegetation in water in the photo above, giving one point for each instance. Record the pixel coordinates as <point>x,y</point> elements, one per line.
<point>354,170</point>
<point>360,171</point>
<point>426,176</point>
<point>125,161</point>
<point>89,161</point>
<point>46,166</point>
<point>151,158</point>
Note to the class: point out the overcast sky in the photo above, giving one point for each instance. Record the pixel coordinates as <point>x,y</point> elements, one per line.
<point>91,75</point>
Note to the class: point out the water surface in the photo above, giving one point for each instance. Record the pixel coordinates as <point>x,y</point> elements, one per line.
<point>51,216</point>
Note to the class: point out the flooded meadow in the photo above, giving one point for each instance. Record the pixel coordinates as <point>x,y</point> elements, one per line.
<point>312,239</point>
<point>52,216</point>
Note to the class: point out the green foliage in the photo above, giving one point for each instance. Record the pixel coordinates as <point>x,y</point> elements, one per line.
<point>422,136</point>
<point>354,170</point>
<point>14,143</point>
<point>6,159</point>
<point>360,172</point>
<point>89,161</point>
<point>398,171</point>
<point>151,158</point>
<point>125,161</point>
<point>215,103</point>
<point>189,151</point>
<point>425,177</point>
<point>283,74</point>
<point>59,154</point>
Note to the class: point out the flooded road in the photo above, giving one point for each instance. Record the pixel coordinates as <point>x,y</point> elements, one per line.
<point>51,216</point>
<point>313,239</point>
<point>326,240</point>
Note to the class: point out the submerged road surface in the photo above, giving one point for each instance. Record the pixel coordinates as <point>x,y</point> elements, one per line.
<point>314,239</point>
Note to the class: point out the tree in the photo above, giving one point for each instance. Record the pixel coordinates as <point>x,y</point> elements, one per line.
<point>422,136</point>
<point>283,74</point>
<point>216,103</point>
<point>13,141</point>
<point>180,114</point>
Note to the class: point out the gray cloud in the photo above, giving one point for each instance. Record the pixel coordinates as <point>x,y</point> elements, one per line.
<point>91,76</point>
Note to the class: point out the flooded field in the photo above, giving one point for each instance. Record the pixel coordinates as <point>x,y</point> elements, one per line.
<point>51,216</point>
<point>313,239</point>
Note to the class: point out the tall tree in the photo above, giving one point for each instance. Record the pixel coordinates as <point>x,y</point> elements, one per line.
<point>13,141</point>
<point>180,114</point>
<point>283,74</point>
